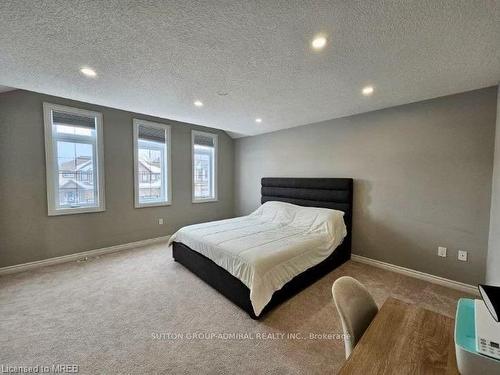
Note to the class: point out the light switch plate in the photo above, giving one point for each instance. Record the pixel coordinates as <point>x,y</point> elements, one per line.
<point>160,221</point>
<point>442,251</point>
<point>462,255</point>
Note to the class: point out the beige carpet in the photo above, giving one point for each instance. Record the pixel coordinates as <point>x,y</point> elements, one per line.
<point>105,315</point>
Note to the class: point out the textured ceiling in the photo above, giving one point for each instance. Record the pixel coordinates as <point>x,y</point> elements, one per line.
<point>157,57</point>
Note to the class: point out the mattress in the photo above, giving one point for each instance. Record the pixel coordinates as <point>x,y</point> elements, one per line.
<point>269,247</point>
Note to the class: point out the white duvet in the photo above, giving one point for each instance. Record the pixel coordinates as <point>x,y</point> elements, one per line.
<point>269,247</point>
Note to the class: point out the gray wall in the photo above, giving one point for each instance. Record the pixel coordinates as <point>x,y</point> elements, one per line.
<point>422,177</point>
<point>493,263</point>
<point>28,234</point>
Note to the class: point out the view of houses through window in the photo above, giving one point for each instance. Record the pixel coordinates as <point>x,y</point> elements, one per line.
<point>204,166</point>
<point>75,137</point>
<point>73,145</point>
<point>203,176</point>
<point>75,162</point>
<point>152,171</point>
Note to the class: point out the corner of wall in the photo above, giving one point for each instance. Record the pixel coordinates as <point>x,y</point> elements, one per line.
<point>493,256</point>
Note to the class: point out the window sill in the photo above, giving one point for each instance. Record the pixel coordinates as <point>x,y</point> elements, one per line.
<point>205,200</point>
<point>147,205</point>
<point>75,211</point>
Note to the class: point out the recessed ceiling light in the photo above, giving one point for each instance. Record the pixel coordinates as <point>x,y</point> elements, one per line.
<point>258,120</point>
<point>89,72</point>
<point>198,103</point>
<point>367,90</point>
<point>319,42</point>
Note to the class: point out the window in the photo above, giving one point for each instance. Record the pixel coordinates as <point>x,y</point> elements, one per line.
<point>74,160</point>
<point>152,164</point>
<point>204,175</point>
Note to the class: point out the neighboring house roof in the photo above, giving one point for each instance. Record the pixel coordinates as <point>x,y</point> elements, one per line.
<point>82,163</point>
<point>148,166</point>
<point>78,164</point>
<point>73,184</point>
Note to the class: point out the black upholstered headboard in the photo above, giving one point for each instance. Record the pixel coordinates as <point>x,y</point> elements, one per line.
<point>334,193</point>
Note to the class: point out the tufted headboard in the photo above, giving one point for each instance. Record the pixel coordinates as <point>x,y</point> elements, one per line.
<point>334,193</point>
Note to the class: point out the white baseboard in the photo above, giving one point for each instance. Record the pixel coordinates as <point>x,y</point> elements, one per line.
<point>471,289</point>
<point>76,256</point>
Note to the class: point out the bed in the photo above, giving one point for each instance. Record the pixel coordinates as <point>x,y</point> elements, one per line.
<point>233,255</point>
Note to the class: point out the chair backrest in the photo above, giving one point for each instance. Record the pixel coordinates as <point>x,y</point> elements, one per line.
<point>356,308</point>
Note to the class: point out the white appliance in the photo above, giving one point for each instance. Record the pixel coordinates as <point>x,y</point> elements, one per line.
<point>487,331</point>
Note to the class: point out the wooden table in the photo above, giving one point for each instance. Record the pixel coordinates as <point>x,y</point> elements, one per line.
<point>404,339</point>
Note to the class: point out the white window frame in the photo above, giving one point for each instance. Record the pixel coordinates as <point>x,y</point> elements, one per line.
<point>51,161</point>
<point>215,137</point>
<point>167,163</point>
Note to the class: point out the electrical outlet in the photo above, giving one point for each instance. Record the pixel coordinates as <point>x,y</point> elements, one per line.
<point>462,255</point>
<point>160,221</point>
<point>442,251</point>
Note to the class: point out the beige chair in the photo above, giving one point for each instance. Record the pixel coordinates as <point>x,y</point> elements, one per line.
<point>356,308</point>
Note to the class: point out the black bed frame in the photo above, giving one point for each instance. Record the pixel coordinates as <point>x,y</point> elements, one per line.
<point>335,193</point>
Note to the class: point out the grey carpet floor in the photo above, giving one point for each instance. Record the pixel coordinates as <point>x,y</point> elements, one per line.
<point>139,312</point>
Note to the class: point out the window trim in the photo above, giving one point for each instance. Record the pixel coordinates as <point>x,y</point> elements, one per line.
<point>215,137</point>
<point>50,162</point>
<point>168,155</point>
